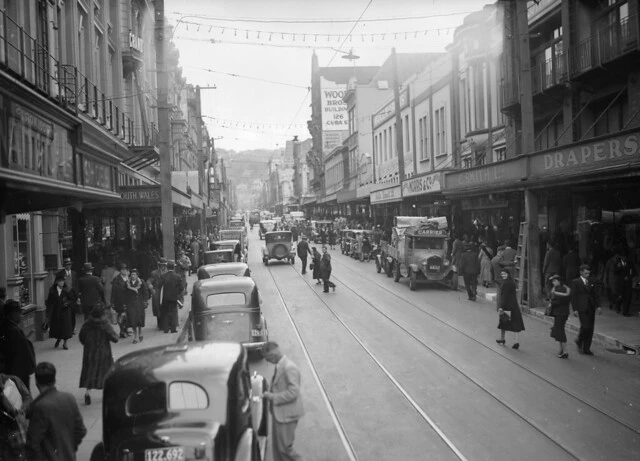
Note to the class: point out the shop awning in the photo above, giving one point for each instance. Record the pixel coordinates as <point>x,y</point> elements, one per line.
<point>346,196</point>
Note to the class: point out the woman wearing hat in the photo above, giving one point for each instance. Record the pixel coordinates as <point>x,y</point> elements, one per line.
<point>508,304</point>
<point>560,299</point>
<point>135,298</point>
<point>96,335</point>
<point>60,311</point>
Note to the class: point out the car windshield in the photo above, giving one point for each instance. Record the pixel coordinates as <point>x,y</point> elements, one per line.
<point>428,243</point>
<point>226,299</point>
<point>279,237</point>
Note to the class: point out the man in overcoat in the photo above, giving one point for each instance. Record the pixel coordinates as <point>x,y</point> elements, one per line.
<point>118,290</point>
<point>285,401</point>
<point>171,286</point>
<point>154,287</point>
<point>90,290</point>
<point>303,251</point>
<point>585,303</point>
<point>70,284</point>
<point>56,428</point>
<point>470,268</point>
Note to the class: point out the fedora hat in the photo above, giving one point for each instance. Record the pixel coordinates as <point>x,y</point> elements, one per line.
<point>162,262</point>
<point>67,261</point>
<point>87,266</point>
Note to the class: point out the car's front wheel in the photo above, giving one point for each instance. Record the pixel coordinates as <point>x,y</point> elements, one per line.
<point>413,281</point>
<point>98,453</point>
<point>396,272</point>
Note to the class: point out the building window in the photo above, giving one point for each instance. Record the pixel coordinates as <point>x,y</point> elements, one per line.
<point>405,127</point>
<point>440,132</point>
<point>478,90</point>
<point>466,162</point>
<point>424,151</point>
<point>385,146</point>
<point>500,154</point>
<point>352,120</point>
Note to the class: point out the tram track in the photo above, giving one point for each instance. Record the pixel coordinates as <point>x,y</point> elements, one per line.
<point>535,426</point>
<point>341,430</point>
<point>560,388</point>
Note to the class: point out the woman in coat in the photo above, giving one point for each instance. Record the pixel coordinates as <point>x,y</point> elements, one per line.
<point>135,298</point>
<point>485,256</point>
<point>315,260</point>
<point>60,304</point>
<point>332,238</point>
<point>96,335</point>
<point>325,270</point>
<point>507,303</point>
<point>560,299</point>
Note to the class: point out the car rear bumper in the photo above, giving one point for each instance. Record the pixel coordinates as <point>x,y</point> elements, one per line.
<point>254,345</point>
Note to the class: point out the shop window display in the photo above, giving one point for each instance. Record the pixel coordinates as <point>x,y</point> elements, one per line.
<point>22,254</point>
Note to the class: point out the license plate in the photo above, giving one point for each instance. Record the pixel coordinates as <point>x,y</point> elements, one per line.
<point>434,268</point>
<point>164,454</point>
<point>258,332</point>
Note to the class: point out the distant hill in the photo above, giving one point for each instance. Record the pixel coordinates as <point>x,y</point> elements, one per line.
<point>243,169</point>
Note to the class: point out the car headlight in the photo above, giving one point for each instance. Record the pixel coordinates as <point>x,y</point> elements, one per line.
<point>447,262</point>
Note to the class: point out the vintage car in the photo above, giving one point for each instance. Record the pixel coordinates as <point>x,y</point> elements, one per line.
<point>189,401</point>
<point>235,223</point>
<point>226,270</point>
<point>361,247</point>
<point>347,239</point>
<point>235,234</point>
<point>278,245</point>
<point>227,310</point>
<point>219,256</point>
<point>266,225</point>
<point>421,254</point>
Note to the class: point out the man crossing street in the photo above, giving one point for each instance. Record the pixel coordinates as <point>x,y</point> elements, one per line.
<point>303,252</point>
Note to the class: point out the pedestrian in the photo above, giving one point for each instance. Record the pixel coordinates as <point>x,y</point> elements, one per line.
<point>285,402</point>
<point>456,253</point>
<point>90,290</point>
<point>571,264</point>
<point>106,277</point>
<point>316,257</point>
<point>323,236</point>
<point>303,252</point>
<point>171,290</point>
<point>183,267</point>
<point>486,270</point>
<point>624,272</point>
<point>508,259</point>
<point>332,237</point>
<point>15,399</point>
<point>508,310</point>
<point>195,250</point>
<point>470,268</point>
<point>71,284</point>
<point>3,296</point>
<point>325,270</point>
<point>118,299</point>
<point>96,335</point>
<point>585,304</point>
<point>560,299</point>
<point>136,297</point>
<point>60,311</point>
<point>552,265</point>
<point>153,284</point>
<point>56,428</point>
<point>17,355</point>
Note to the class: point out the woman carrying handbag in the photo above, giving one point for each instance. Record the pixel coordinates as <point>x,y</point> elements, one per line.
<point>560,299</point>
<point>509,315</point>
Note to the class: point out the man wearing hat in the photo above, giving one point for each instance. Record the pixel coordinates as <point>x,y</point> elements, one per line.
<point>154,288</point>
<point>118,291</point>
<point>470,268</point>
<point>303,251</point>
<point>585,304</point>
<point>70,284</point>
<point>171,289</point>
<point>90,290</point>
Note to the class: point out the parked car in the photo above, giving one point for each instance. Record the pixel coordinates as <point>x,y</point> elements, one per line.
<point>278,245</point>
<point>219,256</point>
<point>361,247</point>
<point>194,401</point>
<point>227,310</point>
<point>229,269</point>
<point>347,239</point>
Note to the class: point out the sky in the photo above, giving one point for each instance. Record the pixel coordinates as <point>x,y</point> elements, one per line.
<point>257,53</point>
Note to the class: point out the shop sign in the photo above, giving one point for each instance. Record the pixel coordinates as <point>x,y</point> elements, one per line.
<point>422,185</point>
<point>615,151</point>
<point>334,109</point>
<point>36,145</point>
<point>141,194</point>
<point>392,194</point>
<point>390,109</point>
<point>488,176</point>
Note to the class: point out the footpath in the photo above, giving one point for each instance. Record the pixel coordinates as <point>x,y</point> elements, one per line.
<point>68,364</point>
<point>612,329</point>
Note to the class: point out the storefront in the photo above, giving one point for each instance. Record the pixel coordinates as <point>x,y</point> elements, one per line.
<point>488,201</point>
<point>386,204</point>
<point>422,195</point>
<point>588,197</point>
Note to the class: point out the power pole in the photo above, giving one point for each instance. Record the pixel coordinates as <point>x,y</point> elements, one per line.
<point>202,159</point>
<point>534,295</point>
<point>164,129</point>
<point>399,144</point>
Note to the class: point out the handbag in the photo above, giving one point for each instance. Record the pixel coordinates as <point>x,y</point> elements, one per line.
<point>548,311</point>
<point>504,319</point>
<point>311,266</point>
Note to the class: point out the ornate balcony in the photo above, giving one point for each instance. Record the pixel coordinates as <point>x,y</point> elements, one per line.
<point>549,73</point>
<point>132,54</point>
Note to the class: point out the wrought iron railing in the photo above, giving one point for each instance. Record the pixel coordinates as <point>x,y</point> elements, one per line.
<point>548,73</point>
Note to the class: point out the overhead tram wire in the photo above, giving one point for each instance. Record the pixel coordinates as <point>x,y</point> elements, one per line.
<point>301,104</point>
<point>349,34</point>
<point>230,74</point>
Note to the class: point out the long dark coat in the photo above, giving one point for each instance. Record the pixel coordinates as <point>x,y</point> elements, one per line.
<point>332,237</point>
<point>508,302</point>
<point>154,286</point>
<point>118,290</point>
<point>316,266</point>
<point>96,335</point>
<point>136,303</point>
<point>60,311</point>
<point>325,266</point>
